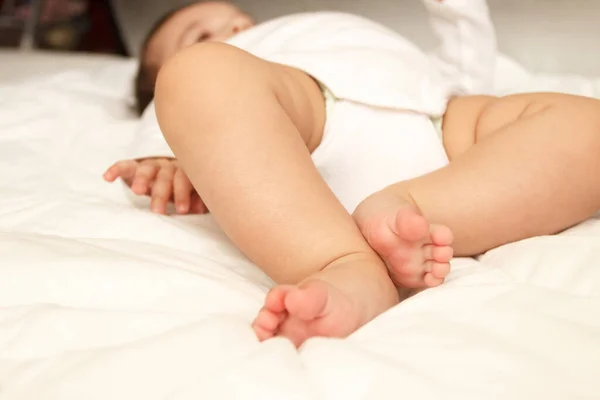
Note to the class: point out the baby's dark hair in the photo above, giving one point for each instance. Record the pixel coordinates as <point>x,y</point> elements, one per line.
<point>145,79</point>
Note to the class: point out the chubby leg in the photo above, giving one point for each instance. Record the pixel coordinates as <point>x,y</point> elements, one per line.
<point>532,169</point>
<point>243,129</point>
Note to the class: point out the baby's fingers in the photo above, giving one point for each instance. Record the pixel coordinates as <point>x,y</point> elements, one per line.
<point>182,191</point>
<point>144,176</point>
<point>122,169</point>
<point>162,189</point>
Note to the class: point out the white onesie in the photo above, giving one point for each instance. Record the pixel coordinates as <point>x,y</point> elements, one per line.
<point>364,149</point>
<point>378,130</point>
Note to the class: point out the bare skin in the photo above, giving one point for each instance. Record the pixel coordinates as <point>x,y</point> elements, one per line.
<point>341,278</point>
<point>521,166</point>
<point>509,172</point>
<point>162,180</point>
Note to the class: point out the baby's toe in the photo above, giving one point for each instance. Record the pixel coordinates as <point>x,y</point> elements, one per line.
<point>267,320</point>
<point>309,301</point>
<point>441,254</point>
<point>262,334</point>
<point>432,281</point>
<point>409,225</point>
<point>382,239</point>
<point>439,270</point>
<point>275,300</point>
<point>441,235</point>
<point>266,324</point>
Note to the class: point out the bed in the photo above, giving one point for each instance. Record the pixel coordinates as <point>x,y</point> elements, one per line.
<point>100,299</point>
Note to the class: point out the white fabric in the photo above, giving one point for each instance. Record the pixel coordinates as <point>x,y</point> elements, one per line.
<point>99,300</point>
<point>365,149</point>
<point>18,65</point>
<point>364,62</point>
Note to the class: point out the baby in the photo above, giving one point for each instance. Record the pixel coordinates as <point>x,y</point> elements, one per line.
<point>274,145</point>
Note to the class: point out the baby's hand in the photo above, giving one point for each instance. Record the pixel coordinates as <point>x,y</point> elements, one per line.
<point>160,178</point>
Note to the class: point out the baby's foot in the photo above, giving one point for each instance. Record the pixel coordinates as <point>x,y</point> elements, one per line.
<point>417,253</point>
<point>332,303</point>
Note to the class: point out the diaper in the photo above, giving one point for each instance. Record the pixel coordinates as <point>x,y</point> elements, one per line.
<point>365,149</point>
<point>328,96</point>
<point>437,125</point>
<point>330,100</point>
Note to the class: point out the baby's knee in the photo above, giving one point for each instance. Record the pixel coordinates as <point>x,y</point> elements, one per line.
<point>196,86</point>
<point>196,70</point>
<point>204,80</point>
<point>208,70</point>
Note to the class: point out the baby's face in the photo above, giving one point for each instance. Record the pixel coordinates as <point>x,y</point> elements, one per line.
<point>214,21</point>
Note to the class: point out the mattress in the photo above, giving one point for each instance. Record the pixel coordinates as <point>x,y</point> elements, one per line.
<point>100,299</point>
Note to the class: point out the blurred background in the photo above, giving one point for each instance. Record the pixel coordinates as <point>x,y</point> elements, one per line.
<point>549,27</point>
<point>65,25</point>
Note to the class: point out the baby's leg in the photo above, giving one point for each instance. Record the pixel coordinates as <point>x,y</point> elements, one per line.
<point>532,169</point>
<point>242,129</point>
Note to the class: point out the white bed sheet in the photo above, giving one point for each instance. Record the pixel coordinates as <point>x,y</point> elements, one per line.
<point>101,300</point>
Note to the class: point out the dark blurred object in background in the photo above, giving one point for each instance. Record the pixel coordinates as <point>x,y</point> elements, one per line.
<point>65,25</point>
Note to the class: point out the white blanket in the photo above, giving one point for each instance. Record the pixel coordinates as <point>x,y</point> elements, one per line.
<point>100,300</point>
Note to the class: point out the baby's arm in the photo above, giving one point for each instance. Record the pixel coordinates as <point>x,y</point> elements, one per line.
<point>466,56</point>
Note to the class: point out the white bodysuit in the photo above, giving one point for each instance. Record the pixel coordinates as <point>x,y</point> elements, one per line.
<point>379,129</point>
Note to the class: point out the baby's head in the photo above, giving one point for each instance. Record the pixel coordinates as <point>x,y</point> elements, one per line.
<point>214,21</point>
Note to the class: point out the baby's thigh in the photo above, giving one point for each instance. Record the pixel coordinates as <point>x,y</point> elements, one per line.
<point>504,111</point>
<point>472,119</point>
